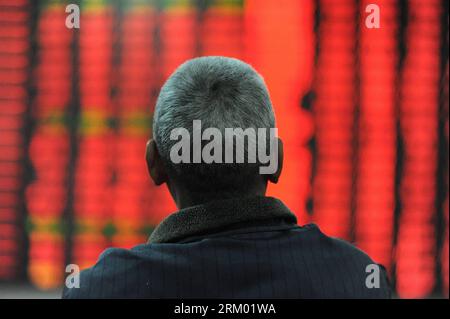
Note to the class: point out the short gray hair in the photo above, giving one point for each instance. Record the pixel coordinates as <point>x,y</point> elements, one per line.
<point>221,92</point>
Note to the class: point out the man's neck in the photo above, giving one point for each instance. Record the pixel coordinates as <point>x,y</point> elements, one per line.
<point>185,199</point>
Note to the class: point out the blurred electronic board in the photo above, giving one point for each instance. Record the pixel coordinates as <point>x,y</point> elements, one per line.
<point>363,114</point>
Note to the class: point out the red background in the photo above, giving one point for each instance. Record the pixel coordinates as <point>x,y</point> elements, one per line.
<point>363,114</point>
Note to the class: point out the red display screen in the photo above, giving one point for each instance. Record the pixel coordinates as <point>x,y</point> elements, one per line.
<point>363,114</point>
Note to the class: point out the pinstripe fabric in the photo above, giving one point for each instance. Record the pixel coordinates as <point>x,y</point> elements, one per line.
<point>267,258</point>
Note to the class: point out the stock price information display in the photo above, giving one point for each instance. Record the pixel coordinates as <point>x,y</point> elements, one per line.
<point>363,114</point>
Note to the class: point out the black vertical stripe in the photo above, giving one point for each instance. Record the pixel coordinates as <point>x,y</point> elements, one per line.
<point>403,13</point>
<point>442,152</point>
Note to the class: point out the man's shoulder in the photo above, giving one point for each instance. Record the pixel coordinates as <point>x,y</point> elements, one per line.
<point>347,261</point>
<point>326,244</point>
<point>100,280</point>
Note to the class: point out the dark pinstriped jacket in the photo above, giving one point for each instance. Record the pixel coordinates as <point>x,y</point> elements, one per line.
<point>240,248</point>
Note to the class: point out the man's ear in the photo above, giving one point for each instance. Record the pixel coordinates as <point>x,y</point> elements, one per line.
<point>275,176</point>
<point>155,164</point>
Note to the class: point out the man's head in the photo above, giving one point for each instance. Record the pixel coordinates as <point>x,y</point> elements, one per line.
<point>221,93</point>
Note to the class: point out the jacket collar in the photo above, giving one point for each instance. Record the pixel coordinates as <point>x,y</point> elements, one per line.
<point>218,215</point>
